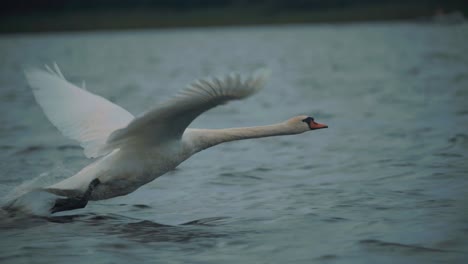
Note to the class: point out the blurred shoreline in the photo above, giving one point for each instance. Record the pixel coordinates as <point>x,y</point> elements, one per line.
<point>144,18</point>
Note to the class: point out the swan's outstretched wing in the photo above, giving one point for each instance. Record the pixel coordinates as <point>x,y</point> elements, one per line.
<point>77,113</point>
<point>170,119</point>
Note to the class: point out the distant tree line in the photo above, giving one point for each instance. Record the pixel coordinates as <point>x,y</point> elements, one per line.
<point>12,7</point>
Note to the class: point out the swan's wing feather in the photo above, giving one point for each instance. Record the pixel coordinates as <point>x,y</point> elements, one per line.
<point>77,113</point>
<point>170,119</point>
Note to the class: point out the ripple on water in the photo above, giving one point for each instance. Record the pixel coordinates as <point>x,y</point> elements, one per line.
<point>30,149</point>
<point>141,206</point>
<point>448,155</point>
<point>234,178</point>
<point>38,148</point>
<point>335,219</point>
<point>122,226</point>
<point>459,140</point>
<point>6,147</point>
<point>379,245</point>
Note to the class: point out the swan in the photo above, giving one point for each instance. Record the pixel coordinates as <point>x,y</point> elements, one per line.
<point>132,151</point>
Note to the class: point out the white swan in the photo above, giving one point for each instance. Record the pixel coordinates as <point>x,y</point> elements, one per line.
<point>136,150</point>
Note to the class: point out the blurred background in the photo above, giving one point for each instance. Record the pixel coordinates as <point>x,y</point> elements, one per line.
<point>60,15</point>
<point>385,183</point>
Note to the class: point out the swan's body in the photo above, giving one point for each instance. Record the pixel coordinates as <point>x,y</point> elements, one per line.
<point>134,151</point>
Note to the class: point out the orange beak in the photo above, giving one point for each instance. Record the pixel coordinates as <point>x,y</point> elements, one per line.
<point>315,125</point>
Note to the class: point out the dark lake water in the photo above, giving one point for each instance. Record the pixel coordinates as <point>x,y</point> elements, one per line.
<point>386,183</point>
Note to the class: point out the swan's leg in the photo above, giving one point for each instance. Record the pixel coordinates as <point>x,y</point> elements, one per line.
<point>66,204</point>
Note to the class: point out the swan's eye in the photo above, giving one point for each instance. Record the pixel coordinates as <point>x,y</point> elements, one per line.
<point>308,120</point>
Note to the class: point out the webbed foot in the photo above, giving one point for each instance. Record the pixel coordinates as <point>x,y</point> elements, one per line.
<point>66,204</point>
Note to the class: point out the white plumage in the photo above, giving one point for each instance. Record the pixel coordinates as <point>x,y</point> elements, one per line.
<point>77,113</point>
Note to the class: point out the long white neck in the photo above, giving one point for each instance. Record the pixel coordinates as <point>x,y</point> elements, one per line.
<point>200,139</point>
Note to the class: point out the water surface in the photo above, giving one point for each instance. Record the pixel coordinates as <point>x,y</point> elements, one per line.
<point>386,183</point>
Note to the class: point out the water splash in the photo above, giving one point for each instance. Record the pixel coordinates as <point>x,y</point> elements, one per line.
<point>36,202</point>
<point>29,197</point>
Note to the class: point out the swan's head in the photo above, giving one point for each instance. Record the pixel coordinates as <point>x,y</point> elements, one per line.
<point>304,123</point>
